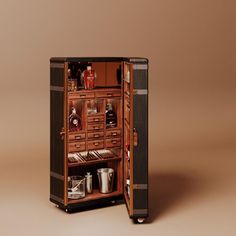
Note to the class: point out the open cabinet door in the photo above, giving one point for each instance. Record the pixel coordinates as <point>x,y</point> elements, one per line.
<point>136,137</point>
<point>58,170</point>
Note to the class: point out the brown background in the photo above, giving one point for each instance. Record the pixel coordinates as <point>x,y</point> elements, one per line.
<point>192,52</point>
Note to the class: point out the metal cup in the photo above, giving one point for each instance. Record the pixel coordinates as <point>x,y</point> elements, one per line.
<point>106,179</point>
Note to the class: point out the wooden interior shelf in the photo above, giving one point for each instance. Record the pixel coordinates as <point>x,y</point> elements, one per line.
<point>74,164</point>
<point>95,195</point>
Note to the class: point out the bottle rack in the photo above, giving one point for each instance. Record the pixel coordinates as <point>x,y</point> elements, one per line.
<point>86,147</point>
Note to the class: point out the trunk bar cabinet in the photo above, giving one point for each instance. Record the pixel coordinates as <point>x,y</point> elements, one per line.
<point>120,84</point>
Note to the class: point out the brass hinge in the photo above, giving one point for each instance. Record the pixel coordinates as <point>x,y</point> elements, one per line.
<point>135,137</point>
<point>140,92</point>
<point>62,133</point>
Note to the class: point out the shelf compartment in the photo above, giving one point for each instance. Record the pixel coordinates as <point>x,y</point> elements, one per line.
<point>76,136</point>
<point>95,195</point>
<point>113,133</point>
<point>95,127</point>
<point>114,142</point>
<point>76,146</point>
<point>86,163</point>
<point>108,94</point>
<point>81,94</point>
<point>95,144</point>
<point>95,118</point>
<point>95,135</point>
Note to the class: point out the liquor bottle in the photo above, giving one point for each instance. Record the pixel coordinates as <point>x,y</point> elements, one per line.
<point>78,76</point>
<point>92,107</point>
<point>111,119</point>
<point>74,121</point>
<point>72,82</point>
<point>88,77</point>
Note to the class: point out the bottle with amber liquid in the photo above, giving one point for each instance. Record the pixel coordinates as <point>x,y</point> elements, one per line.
<point>74,121</point>
<point>111,118</point>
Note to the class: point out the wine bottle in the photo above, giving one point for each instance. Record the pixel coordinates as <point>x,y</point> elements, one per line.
<point>74,121</point>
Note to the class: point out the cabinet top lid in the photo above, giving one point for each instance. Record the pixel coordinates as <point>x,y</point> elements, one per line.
<point>98,59</point>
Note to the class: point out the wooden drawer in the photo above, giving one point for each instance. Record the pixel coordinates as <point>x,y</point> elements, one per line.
<point>94,127</point>
<point>76,146</point>
<point>97,135</point>
<point>95,119</point>
<point>111,93</point>
<point>113,142</point>
<point>113,133</point>
<point>76,136</point>
<point>96,144</point>
<point>81,94</point>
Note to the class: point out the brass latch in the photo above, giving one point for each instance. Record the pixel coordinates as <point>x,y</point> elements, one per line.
<point>62,133</point>
<point>135,137</point>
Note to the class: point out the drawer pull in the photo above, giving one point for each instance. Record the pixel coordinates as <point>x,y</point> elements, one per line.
<point>114,141</point>
<point>95,127</point>
<point>96,119</point>
<point>114,134</point>
<point>96,143</point>
<point>82,95</point>
<point>109,94</point>
<point>77,145</point>
<point>96,135</point>
<point>77,137</point>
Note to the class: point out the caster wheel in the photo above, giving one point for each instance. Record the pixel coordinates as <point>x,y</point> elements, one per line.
<point>66,210</point>
<point>140,220</point>
<point>113,202</point>
<point>57,206</point>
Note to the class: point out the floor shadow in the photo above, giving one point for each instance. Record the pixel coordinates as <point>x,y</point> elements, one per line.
<point>167,191</point>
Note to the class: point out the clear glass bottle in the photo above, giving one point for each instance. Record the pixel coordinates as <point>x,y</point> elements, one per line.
<point>74,121</point>
<point>111,118</point>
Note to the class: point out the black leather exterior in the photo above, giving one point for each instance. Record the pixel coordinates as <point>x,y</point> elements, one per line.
<point>56,124</point>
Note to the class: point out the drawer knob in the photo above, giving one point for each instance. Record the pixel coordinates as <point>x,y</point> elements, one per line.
<point>95,127</point>
<point>82,95</point>
<point>109,94</point>
<point>77,145</point>
<point>114,134</point>
<point>96,144</point>
<point>96,135</point>
<point>77,137</point>
<point>114,141</point>
<point>95,119</point>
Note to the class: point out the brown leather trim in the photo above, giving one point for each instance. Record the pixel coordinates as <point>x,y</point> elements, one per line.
<point>140,211</point>
<point>56,175</point>
<point>58,199</point>
<point>140,186</point>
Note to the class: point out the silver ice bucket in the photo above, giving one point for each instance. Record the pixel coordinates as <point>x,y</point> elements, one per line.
<point>106,179</point>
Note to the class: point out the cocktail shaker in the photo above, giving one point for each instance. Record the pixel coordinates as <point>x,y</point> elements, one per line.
<point>89,182</point>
